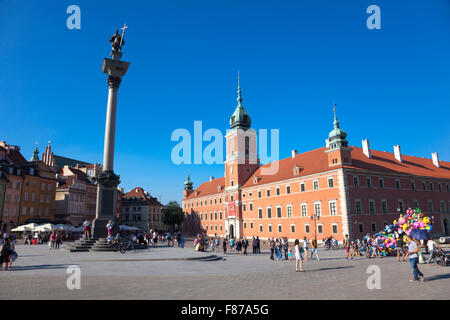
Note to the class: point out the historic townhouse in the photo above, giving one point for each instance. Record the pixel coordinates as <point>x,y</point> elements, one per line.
<point>334,190</point>
<point>141,210</point>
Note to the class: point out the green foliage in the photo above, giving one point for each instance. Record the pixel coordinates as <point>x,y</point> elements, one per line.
<point>173,214</point>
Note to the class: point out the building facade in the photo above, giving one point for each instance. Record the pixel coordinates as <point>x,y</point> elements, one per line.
<point>333,190</point>
<point>141,210</point>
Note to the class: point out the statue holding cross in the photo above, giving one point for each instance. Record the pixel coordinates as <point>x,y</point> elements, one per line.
<point>117,40</point>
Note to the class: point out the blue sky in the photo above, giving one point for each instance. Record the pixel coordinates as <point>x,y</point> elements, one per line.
<point>295,59</point>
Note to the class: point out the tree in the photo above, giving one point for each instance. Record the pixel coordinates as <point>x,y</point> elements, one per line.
<point>173,214</point>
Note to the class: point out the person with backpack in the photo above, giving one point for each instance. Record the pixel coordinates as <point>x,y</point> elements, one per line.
<point>232,243</point>
<point>245,245</point>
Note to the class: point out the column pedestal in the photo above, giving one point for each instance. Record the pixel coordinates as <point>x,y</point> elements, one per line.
<point>106,204</point>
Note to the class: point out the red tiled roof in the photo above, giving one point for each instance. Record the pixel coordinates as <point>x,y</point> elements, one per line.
<point>140,192</point>
<point>16,157</point>
<point>310,162</point>
<point>316,161</point>
<point>385,162</point>
<point>78,173</point>
<point>208,188</point>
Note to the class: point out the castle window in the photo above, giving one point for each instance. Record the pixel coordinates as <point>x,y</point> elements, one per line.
<point>302,187</point>
<point>381,183</point>
<point>397,183</point>
<point>316,185</point>
<point>330,183</point>
<point>288,189</point>
<point>369,182</point>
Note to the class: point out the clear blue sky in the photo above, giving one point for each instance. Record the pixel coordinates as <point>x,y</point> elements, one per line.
<point>295,57</point>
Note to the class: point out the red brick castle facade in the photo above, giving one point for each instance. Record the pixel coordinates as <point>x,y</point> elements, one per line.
<point>351,190</point>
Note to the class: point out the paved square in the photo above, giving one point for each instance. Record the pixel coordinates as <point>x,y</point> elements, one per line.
<point>170,273</point>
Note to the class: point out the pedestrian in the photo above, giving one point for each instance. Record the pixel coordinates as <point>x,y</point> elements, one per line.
<point>298,256</point>
<point>278,249</point>
<point>258,245</point>
<point>245,245</point>
<point>272,248</point>
<point>432,249</point>
<point>285,247</point>
<point>224,244</point>
<point>232,243</point>
<point>86,229</point>
<point>347,246</point>
<point>213,244</point>
<point>5,254</point>
<point>58,240</point>
<point>305,247</point>
<point>239,246</point>
<point>53,240</point>
<point>254,244</point>
<point>314,249</point>
<point>400,248</point>
<point>413,250</point>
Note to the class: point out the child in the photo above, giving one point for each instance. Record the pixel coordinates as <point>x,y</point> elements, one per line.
<point>290,255</point>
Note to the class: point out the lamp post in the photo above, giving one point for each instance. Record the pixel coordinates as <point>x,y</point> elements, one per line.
<point>315,217</point>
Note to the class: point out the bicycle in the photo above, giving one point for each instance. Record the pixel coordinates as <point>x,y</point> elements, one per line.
<point>126,245</point>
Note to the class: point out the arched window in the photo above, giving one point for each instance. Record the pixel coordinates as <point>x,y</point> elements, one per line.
<point>247,146</point>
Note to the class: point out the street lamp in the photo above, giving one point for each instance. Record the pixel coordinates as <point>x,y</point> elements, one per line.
<point>315,217</point>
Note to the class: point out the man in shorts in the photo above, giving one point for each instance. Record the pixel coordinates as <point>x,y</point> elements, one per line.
<point>347,247</point>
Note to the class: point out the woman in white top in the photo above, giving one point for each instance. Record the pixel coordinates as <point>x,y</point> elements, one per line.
<point>298,257</point>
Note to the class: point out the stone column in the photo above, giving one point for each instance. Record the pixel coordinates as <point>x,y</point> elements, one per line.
<point>107,180</point>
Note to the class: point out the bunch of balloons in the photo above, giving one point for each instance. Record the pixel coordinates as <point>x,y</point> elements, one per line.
<point>413,219</point>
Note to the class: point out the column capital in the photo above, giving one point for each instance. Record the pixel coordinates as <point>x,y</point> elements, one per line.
<point>114,82</point>
<point>108,179</point>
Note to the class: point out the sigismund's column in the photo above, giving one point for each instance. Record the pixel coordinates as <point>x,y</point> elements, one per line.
<point>107,180</point>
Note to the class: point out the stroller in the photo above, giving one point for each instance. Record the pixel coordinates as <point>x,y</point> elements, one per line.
<point>440,257</point>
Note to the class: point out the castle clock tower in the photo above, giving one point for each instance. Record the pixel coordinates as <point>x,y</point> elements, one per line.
<point>241,161</point>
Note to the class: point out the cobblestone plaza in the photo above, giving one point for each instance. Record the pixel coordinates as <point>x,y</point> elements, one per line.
<point>174,273</point>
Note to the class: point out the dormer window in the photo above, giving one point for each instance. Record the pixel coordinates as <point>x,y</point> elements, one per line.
<point>255,180</point>
<point>296,170</point>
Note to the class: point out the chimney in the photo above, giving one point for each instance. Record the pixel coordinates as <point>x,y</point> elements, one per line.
<point>294,153</point>
<point>366,148</point>
<point>327,143</point>
<point>211,178</point>
<point>397,153</point>
<point>435,158</point>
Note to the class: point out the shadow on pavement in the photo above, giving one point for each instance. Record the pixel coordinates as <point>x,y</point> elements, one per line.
<point>39,267</point>
<point>438,277</point>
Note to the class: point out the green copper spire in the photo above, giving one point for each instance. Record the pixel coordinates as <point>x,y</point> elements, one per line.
<point>188,185</point>
<point>240,119</point>
<point>337,136</point>
<point>35,156</point>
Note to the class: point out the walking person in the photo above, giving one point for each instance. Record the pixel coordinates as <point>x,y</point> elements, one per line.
<point>86,229</point>
<point>58,240</point>
<point>347,246</point>
<point>413,250</point>
<point>285,247</point>
<point>245,245</point>
<point>239,247</point>
<point>224,245</point>
<point>298,256</point>
<point>305,247</point>
<point>254,244</point>
<point>314,249</point>
<point>5,254</point>
<point>272,249</point>
<point>232,243</point>
<point>53,240</point>
<point>258,245</point>
<point>213,244</point>
<point>400,248</point>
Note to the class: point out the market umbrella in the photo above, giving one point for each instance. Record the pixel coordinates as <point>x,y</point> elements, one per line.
<point>21,229</point>
<point>420,234</point>
<point>45,227</point>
